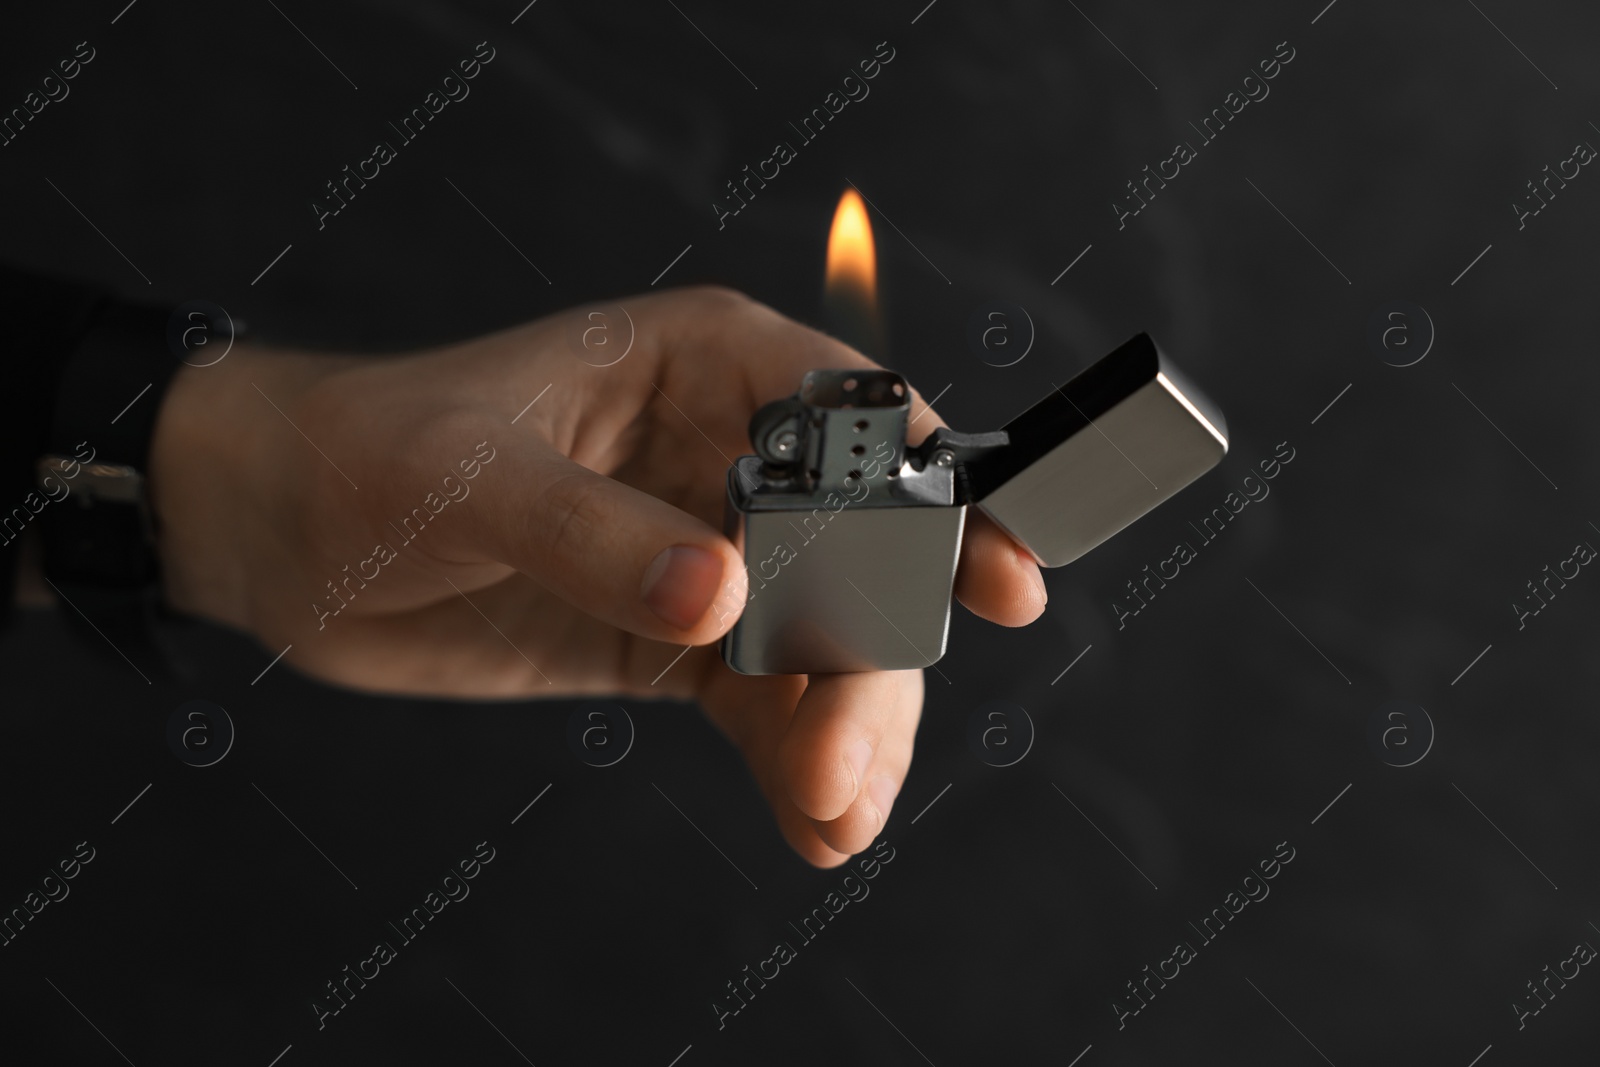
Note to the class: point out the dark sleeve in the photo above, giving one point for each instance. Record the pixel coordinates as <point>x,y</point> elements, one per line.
<point>41,321</point>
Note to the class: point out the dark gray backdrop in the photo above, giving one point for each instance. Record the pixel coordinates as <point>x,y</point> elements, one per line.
<point>1173,756</point>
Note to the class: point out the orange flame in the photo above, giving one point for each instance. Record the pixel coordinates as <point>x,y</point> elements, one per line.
<point>852,271</point>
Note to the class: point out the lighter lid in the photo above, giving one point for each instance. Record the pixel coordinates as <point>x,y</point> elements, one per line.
<point>1098,452</point>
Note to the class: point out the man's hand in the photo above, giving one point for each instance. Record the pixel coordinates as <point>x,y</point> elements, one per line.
<point>386,517</point>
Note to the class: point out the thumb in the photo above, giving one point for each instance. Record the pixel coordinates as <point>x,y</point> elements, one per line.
<point>613,552</point>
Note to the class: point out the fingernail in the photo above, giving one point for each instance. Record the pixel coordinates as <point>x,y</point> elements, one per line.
<point>681,583</point>
<point>857,757</point>
<point>883,789</point>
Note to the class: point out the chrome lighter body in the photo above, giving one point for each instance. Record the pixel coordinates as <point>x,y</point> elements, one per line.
<point>851,539</point>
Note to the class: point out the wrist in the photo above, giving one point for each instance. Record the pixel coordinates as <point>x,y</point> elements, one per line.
<point>220,480</point>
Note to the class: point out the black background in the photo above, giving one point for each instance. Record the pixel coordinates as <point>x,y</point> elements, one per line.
<point>1196,739</point>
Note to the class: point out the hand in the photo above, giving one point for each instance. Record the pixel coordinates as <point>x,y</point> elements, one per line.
<point>406,537</point>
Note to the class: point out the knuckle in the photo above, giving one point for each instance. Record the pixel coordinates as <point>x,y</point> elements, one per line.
<point>719,296</point>
<point>573,517</point>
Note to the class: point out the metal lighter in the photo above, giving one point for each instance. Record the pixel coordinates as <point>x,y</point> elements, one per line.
<point>851,539</point>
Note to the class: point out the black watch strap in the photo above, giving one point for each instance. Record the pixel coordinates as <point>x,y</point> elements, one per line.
<point>98,534</point>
